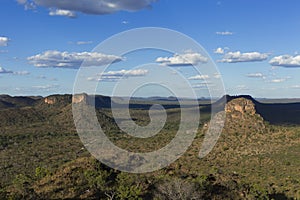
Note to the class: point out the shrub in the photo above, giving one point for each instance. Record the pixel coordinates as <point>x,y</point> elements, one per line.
<point>41,172</point>
<point>128,187</point>
<point>176,188</point>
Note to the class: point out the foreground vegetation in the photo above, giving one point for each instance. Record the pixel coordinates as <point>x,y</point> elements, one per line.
<point>42,157</point>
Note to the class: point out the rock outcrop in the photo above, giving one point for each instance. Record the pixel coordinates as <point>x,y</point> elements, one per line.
<point>49,100</point>
<point>241,115</point>
<point>79,98</point>
<point>58,99</point>
<point>240,107</point>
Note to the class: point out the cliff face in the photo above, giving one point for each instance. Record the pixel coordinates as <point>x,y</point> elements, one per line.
<point>50,100</point>
<point>240,107</point>
<point>66,99</point>
<point>241,114</point>
<point>58,99</point>
<point>78,98</point>
<point>94,100</point>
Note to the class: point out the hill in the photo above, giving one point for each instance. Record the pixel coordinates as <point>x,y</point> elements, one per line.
<point>275,113</point>
<point>7,101</point>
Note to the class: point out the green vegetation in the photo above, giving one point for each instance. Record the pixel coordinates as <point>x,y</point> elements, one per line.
<point>42,156</point>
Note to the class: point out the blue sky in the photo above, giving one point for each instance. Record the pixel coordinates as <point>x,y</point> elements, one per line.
<point>255,44</point>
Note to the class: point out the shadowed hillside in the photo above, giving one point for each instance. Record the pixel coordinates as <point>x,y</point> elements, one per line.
<point>7,101</point>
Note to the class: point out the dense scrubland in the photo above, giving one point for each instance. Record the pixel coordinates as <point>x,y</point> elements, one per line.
<point>42,157</point>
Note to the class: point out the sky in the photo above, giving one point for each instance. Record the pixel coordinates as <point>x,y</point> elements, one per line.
<point>253,46</point>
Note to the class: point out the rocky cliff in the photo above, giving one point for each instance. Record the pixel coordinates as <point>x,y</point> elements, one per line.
<point>241,114</point>
<point>58,99</point>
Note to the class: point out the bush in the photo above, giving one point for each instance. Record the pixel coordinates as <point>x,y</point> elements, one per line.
<point>41,172</point>
<point>21,188</point>
<point>96,179</point>
<point>128,187</point>
<point>176,188</point>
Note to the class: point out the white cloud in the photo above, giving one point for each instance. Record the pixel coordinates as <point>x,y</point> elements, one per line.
<point>116,75</point>
<point>219,51</point>
<point>96,7</point>
<point>71,60</point>
<point>61,12</point>
<point>84,42</point>
<point>286,61</point>
<point>255,75</point>
<point>217,75</point>
<point>4,71</point>
<point>183,59</point>
<point>123,72</point>
<point>125,22</point>
<point>295,87</point>
<point>279,80</point>
<point>235,57</point>
<point>21,73</point>
<point>224,33</point>
<point>27,4</point>
<point>81,42</point>
<point>199,77</point>
<point>242,88</point>
<point>4,41</point>
<point>203,85</point>
<point>46,87</point>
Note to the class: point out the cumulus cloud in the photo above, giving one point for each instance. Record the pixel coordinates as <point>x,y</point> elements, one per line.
<point>96,7</point>
<point>61,12</point>
<point>235,57</point>
<point>224,33</point>
<point>71,60</point>
<point>183,59</point>
<point>286,61</point>
<point>255,75</point>
<point>116,75</point>
<point>4,41</point>
<point>4,71</point>
<point>199,77</point>
<point>219,51</point>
